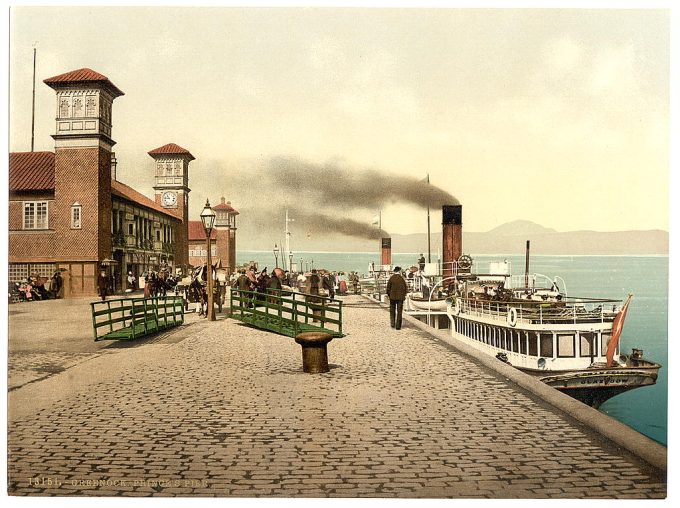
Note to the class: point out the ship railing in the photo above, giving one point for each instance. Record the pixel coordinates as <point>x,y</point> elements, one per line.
<point>569,310</point>
<point>537,281</point>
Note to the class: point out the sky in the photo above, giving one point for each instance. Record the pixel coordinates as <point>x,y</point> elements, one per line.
<point>560,117</point>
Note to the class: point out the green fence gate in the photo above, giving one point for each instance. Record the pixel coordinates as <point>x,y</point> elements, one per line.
<point>287,313</point>
<point>130,318</point>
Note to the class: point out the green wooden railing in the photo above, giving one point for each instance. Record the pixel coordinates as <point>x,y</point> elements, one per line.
<point>130,318</point>
<point>287,313</point>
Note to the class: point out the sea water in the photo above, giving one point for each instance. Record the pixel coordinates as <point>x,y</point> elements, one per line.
<point>646,326</point>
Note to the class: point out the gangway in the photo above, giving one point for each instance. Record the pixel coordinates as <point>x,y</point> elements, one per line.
<point>287,312</point>
<point>131,318</point>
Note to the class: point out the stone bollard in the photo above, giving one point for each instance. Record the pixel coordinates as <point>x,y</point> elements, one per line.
<point>314,353</point>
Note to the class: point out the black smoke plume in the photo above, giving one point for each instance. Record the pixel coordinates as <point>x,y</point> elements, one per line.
<point>319,222</point>
<point>337,185</point>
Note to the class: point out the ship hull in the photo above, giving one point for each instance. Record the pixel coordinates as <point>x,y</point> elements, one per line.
<point>596,386</point>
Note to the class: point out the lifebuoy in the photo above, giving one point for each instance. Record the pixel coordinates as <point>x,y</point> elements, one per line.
<point>512,316</point>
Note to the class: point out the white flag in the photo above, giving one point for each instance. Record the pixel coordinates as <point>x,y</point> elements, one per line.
<point>376,220</point>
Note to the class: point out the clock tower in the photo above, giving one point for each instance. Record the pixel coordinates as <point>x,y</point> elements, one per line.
<point>171,186</point>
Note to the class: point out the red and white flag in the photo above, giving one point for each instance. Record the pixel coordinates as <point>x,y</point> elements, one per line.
<point>617,328</point>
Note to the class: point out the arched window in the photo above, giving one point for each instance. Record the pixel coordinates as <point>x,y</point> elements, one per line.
<point>63,108</point>
<point>90,109</point>
<point>77,107</point>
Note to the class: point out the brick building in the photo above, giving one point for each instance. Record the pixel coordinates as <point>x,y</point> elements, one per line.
<point>67,210</point>
<point>222,238</point>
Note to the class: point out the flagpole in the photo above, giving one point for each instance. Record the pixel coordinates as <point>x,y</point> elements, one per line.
<point>33,105</point>
<point>429,254</point>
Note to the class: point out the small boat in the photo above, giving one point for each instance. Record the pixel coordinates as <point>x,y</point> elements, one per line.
<point>571,344</point>
<point>418,302</point>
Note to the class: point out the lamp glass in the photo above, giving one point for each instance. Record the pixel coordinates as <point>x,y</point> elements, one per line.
<point>208,218</point>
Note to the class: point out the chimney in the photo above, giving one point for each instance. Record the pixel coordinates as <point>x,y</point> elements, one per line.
<point>386,251</point>
<point>452,237</point>
<point>114,163</point>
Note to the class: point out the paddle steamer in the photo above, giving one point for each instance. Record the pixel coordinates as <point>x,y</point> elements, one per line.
<point>571,344</point>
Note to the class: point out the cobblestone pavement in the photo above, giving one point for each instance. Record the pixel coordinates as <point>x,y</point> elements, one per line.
<point>38,350</point>
<point>225,410</point>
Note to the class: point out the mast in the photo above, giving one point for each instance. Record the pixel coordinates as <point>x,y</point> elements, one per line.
<point>33,105</point>
<point>429,253</point>
<point>288,239</point>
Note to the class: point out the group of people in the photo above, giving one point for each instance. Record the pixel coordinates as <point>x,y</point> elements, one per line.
<point>36,287</point>
<point>327,282</point>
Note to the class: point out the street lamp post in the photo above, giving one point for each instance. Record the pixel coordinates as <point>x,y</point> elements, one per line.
<point>276,256</point>
<point>290,257</point>
<point>208,220</point>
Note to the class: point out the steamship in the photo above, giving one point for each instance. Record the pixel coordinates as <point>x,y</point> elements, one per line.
<point>571,344</point>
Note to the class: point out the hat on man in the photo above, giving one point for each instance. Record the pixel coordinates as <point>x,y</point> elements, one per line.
<point>397,269</point>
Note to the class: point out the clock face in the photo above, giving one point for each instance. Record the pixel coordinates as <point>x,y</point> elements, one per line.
<point>169,199</point>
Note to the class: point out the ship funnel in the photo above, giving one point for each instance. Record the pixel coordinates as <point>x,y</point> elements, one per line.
<point>452,237</point>
<point>385,251</point>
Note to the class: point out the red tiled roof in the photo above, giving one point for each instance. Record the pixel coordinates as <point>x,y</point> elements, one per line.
<point>226,206</point>
<point>83,75</point>
<point>170,149</point>
<point>196,231</point>
<point>31,171</point>
<point>124,191</point>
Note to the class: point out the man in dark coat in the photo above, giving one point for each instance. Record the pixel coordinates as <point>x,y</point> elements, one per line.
<point>57,284</point>
<point>243,283</point>
<point>274,283</point>
<point>102,284</point>
<point>396,292</point>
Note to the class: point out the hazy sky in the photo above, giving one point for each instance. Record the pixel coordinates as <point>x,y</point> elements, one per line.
<point>556,116</point>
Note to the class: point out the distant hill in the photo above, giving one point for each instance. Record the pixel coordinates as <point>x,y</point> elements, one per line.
<point>508,238</point>
<point>520,227</point>
<point>511,238</point>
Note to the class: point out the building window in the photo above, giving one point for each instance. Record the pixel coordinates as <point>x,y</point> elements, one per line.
<point>90,107</point>
<point>77,107</point>
<point>76,216</point>
<point>35,215</point>
<point>18,272</point>
<point>63,108</point>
